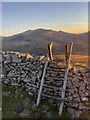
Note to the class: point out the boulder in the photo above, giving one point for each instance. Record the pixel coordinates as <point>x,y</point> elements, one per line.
<point>24,113</point>
<point>26,102</point>
<point>44,108</point>
<point>71,111</point>
<point>82,87</point>
<point>18,108</point>
<point>6,94</point>
<point>77,114</point>
<point>33,106</point>
<point>6,81</point>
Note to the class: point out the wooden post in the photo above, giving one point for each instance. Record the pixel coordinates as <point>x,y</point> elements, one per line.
<point>50,51</point>
<point>65,80</point>
<point>70,51</point>
<point>66,52</point>
<point>42,82</point>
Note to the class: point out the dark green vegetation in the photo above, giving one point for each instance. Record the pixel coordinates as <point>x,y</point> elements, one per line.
<point>36,41</point>
<point>11,101</point>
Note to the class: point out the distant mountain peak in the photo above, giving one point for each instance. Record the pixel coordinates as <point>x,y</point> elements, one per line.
<point>36,41</point>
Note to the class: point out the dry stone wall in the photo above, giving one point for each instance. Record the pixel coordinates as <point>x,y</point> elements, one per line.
<point>21,73</point>
<point>24,73</point>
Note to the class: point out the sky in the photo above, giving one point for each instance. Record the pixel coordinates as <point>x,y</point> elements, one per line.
<point>45,0</point>
<point>70,17</point>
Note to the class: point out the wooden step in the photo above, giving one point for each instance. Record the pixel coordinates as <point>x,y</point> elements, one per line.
<point>52,87</point>
<point>57,67</point>
<point>50,96</point>
<point>54,78</point>
<point>54,69</point>
<point>54,84</point>
<point>57,61</point>
<point>55,74</point>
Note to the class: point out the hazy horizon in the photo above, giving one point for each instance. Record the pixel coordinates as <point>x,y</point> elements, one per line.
<point>71,17</point>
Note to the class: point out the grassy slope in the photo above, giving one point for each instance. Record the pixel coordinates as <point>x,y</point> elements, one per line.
<point>74,58</point>
<point>10,102</point>
<point>79,60</point>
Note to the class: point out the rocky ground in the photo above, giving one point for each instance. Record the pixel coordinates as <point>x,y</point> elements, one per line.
<point>21,75</point>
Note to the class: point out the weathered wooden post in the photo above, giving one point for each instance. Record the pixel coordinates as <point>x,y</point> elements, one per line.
<point>66,52</point>
<point>65,80</point>
<point>42,82</point>
<point>50,51</point>
<point>2,63</point>
<point>70,52</point>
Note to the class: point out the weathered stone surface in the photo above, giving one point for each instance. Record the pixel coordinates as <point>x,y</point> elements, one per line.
<point>18,91</point>
<point>24,113</point>
<point>31,94</point>
<point>69,98</point>
<point>81,94</point>
<point>77,114</point>
<point>69,84</point>
<point>1,76</point>
<point>70,91</point>
<point>5,94</point>
<point>44,108</point>
<point>15,84</point>
<point>81,106</point>
<point>84,99</point>
<point>8,57</point>
<point>26,102</point>
<point>82,87</point>
<point>71,111</point>
<point>26,80</point>
<point>18,108</point>
<point>49,115</point>
<point>85,80</point>
<point>6,81</point>
<point>75,105</point>
<point>33,106</point>
<point>76,99</point>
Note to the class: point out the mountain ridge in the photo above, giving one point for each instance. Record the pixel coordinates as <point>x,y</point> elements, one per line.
<point>29,30</point>
<point>36,41</point>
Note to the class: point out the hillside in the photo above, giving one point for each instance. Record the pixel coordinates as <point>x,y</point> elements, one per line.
<point>36,41</point>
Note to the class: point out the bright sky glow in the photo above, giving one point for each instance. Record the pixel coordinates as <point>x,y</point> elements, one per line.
<point>67,16</point>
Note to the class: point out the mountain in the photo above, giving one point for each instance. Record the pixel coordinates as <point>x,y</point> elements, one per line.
<point>0,37</point>
<point>36,41</point>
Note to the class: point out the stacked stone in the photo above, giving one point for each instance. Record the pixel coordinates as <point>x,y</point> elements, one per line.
<point>25,74</point>
<point>77,94</point>
<point>21,73</point>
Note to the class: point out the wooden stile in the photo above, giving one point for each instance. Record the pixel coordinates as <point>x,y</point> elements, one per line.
<point>65,77</point>
<point>50,47</point>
